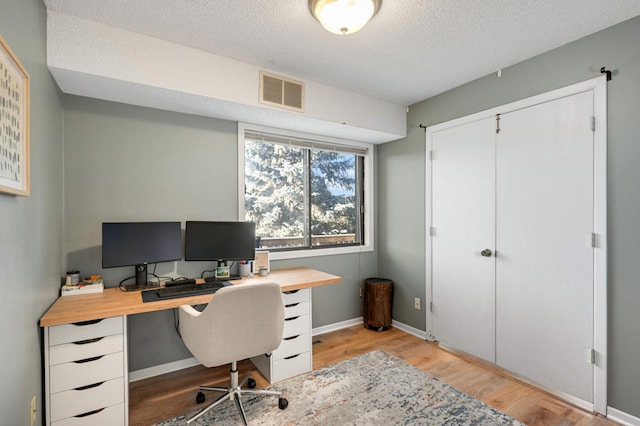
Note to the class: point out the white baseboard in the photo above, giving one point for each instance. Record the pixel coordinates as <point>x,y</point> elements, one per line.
<point>336,326</point>
<point>622,417</point>
<point>158,370</point>
<point>408,329</point>
<point>357,321</point>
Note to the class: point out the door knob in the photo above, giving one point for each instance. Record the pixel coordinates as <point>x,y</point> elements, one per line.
<point>486,253</point>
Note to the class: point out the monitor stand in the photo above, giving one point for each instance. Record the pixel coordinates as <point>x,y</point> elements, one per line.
<point>141,280</point>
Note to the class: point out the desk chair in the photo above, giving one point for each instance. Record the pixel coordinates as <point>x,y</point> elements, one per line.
<point>240,322</point>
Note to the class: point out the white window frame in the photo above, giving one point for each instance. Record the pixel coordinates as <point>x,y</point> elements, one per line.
<point>369,203</point>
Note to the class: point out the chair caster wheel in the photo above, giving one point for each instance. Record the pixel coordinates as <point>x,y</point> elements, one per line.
<point>283,403</point>
<point>200,398</point>
<point>251,383</point>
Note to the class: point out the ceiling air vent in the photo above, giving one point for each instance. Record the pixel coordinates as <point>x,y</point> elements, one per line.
<point>281,91</point>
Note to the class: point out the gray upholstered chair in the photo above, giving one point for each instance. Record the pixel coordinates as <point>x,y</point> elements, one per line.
<point>240,322</point>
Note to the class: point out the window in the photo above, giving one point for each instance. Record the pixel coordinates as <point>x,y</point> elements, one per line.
<point>303,193</point>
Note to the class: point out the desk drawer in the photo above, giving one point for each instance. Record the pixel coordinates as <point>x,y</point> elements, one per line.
<point>73,375</point>
<point>84,349</point>
<point>110,416</point>
<point>75,402</point>
<point>67,333</point>
<point>296,296</point>
<point>296,309</point>
<point>296,325</point>
<point>289,367</point>
<point>293,346</point>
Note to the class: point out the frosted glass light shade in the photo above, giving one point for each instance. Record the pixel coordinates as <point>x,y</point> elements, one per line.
<point>343,16</point>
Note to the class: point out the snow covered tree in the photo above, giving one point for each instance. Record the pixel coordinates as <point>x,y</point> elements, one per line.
<point>290,190</point>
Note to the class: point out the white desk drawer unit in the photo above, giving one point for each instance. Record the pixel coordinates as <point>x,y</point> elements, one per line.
<point>108,417</point>
<point>86,377</point>
<point>293,356</point>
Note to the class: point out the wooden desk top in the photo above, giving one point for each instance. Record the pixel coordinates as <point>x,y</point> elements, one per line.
<point>112,302</point>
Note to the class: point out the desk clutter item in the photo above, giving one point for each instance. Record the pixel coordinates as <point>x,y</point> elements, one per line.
<point>72,278</point>
<point>244,268</point>
<point>174,283</point>
<point>261,261</point>
<point>222,272</point>
<point>92,284</point>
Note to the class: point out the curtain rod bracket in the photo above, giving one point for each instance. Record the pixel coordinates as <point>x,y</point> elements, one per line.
<point>422,126</point>
<point>603,70</point>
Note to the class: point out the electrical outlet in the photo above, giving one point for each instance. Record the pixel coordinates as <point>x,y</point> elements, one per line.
<point>416,303</point>
<point>33,410</point>
<point>361,292</point>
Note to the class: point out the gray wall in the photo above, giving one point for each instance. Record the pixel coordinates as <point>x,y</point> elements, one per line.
<point>30,227</point>
<point>401,253</point>
<point>126,163</point>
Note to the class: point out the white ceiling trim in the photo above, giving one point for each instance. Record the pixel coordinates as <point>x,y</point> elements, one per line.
<point>96,60</point>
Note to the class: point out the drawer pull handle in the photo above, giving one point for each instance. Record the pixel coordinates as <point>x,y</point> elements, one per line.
<point>82,361</point>
<point>292,318</point>
<point>292,356</point>
<point>88,322</point>
<point>291,338</point>
<point>291,305</point>
<point>84,342</point>
<point>89,413</point>
<point>291,292</point>
<point>95,385</point>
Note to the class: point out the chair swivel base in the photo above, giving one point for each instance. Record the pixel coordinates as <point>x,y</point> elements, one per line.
<point>234,392</point>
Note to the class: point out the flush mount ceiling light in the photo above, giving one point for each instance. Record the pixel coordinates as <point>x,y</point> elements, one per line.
<point>344,16</point>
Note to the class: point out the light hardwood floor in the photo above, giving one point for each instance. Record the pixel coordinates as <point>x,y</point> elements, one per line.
<point>166,396</point>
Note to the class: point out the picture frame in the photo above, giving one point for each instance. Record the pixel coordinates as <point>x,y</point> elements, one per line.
<point>14,124</point>
<point>222,272</point>
<point>261,261</point>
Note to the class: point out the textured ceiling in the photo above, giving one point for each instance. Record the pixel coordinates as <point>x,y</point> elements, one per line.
<point>410,51</point>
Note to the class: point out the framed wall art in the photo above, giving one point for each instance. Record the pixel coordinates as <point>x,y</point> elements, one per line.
<point>14,124</point>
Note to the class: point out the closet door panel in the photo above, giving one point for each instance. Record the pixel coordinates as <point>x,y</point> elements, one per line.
<point>463,217</point>
<point>544,270</point>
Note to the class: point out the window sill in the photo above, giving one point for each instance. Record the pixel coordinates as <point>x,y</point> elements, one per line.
<point>299,254</point>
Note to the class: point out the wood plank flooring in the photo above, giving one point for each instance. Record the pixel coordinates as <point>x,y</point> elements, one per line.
<point>168,395</point>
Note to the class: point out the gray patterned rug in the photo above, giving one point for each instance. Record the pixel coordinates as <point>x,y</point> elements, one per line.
<point>373,389</point>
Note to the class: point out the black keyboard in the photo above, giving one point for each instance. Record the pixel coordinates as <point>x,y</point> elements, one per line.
<point>191,289</point>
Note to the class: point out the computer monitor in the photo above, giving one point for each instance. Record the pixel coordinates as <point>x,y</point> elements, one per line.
<point>138,244</point>
<point>219,241</point>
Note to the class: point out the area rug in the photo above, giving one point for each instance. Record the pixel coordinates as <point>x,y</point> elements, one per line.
<point>372,389</point>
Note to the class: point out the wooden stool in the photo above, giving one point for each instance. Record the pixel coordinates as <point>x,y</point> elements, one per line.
<point>378,300</point>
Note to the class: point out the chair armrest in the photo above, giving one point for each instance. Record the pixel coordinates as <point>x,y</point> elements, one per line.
<point>190,310</point>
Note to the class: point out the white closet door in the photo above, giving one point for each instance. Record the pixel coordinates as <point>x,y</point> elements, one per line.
<point>544,278</point>
<point>463,217</point>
